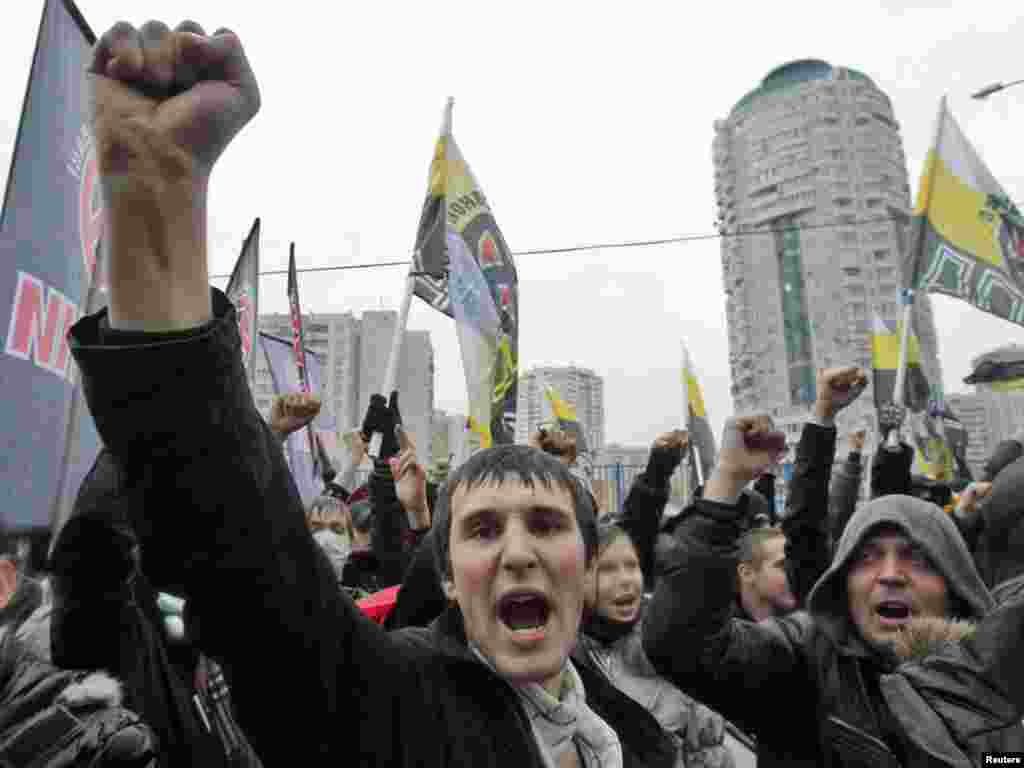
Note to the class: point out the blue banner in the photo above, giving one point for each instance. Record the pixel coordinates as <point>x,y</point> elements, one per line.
<point>50,232</point>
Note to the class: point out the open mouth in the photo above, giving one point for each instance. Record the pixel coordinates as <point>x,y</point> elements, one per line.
<point>893,612</point>
<point>626,601</point>
<point>525,614</point>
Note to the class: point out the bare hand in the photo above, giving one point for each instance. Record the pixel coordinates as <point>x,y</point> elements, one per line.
<point>967,509</point>
<point>358,448</point>
<point>293,412</point>
<point>677,438</point>
<point>856,440</point>
<point>165,104</point>
<point>410,482</point>
<point>837,388</point>
<point>739,458</point>
<point>560,444</point>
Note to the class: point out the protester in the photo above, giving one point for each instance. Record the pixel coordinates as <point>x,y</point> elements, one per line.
<point>611,642</point>
<point>329,520</point>
<point>807,549</point>
<point>491,682</point>
<point>107,615</point>
<point>52,717</point>
<point>763,586</point>
<point>999,550</point>
<point>898,559</point>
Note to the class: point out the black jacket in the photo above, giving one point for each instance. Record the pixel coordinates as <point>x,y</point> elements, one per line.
<point>811,660</point>
<point>220,522</point>
<point>843,494</point>
<point>808,553</point>
<point>62,719</point>
<point>105,616</point>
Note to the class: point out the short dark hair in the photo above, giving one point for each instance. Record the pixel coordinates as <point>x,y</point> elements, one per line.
<point>517,462</point>
<point>752,544</point>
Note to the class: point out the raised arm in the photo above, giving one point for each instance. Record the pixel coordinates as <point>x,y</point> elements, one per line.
<point>735,667</point>
<point>845,488</point>
<point>648,495</point>
<point>218,517</point>
<point>808,553</point>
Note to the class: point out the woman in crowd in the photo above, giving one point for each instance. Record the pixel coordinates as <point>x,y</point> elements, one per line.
<point>611,641</point>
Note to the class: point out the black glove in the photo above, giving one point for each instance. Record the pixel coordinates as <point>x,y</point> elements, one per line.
<point>383,417</point>
<point>662,464</point>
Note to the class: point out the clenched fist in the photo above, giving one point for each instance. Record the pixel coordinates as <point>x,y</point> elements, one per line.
<point>837,388</point>
<point>557,442</point>
<point>293,412</point>
<point>166,103</point>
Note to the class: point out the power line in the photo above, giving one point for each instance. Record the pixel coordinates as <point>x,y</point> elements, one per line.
<point>611,246</point>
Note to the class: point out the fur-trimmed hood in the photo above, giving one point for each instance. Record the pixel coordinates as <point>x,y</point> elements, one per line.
<point>924,637</point>
<point>945,699</point>
<point>928,527</point>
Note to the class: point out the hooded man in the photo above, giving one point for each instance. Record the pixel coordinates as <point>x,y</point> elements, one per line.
<point>835,666</point>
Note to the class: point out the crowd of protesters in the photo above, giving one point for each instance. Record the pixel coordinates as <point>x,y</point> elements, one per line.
<point>192,612</point>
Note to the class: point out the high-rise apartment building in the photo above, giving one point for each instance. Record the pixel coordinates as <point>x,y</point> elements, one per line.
<point>415,375</point>
<point>355,352</point>
<point>335,337</point>
<point>812,192</point>
<point>580,387</point>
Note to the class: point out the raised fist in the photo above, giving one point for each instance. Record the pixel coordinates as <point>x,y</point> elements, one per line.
<point>293,412</point>
<point>557,442</point>
<point>749,447</point>
<point>166,103</point>
<point>837,388</point>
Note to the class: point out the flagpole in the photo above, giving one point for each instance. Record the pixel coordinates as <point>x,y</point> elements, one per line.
<point>391,372</point>
<point>907,296</point>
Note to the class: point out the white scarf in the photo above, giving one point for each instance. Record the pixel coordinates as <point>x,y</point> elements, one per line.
<point>562,724</point>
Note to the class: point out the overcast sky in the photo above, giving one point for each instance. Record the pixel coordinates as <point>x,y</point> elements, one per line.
<point>584,124</point>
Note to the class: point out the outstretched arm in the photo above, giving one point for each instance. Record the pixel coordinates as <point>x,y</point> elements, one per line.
<point>203,479</point>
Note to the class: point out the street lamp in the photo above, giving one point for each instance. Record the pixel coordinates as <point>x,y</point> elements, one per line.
<point>988,90</point>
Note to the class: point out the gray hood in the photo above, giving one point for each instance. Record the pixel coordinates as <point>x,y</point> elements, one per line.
<point>927,526</point>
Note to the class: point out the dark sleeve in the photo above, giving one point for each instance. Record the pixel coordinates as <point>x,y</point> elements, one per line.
<point>843,494</point>
<point>995,647</point>
<point>808,553</point>
<point>390,527</point>
<point>217,514</point>
<point>105,617</point>
<point>890,471</point>
<point>642,512</point>
<point>1005,453</point>
<point>971,531</point>
<point>691,637</point>
<point>420,599</point>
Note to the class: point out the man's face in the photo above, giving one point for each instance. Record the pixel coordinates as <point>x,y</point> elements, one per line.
<point>769,582</point>
<point>890,581</point>
<point>620,582</point>
<point>518,566</point>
